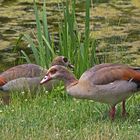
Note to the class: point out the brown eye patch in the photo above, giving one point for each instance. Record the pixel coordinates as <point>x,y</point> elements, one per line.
<point>65,59</point>
<point>53,71</point>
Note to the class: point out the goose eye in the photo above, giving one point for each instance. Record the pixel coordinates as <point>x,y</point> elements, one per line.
<point>53,71</point>
<point>65,59</point>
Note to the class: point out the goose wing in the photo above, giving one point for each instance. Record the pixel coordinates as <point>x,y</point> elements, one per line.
<point>107,73</point>
<point>24,70</point>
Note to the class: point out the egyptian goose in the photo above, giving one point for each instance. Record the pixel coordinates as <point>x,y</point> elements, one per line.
<point>106,83</point>
<point>26,84</point>
<point>27,77</point>
<point>30,70</point>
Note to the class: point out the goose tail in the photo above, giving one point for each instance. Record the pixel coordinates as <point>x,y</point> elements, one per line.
<point>2,81</point>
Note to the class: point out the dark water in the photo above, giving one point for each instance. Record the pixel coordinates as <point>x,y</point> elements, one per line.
<point>115,25</point>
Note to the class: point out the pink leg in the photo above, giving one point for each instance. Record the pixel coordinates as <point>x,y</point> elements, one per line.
<point>112,112</point>
<point>123,109</point>
<point>6,100</point>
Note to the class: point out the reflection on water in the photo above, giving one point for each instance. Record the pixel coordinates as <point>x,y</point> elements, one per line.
<point>115,24</point>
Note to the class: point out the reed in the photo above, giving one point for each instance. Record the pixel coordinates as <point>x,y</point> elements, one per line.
<point>41,45</point>
<point>75,45</point>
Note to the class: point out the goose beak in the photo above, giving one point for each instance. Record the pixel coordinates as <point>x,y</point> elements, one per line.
<point>45,79</point>
<point>71,66</point>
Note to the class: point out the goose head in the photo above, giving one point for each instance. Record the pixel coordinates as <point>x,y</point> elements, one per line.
<point>60,73</point>
<point>63,61</point>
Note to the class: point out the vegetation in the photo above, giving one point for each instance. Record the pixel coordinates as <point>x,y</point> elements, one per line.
<point>75,45</point>
<point>57,116</point>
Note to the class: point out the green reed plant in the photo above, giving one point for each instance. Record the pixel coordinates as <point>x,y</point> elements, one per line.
<point>76,45</point>
<point>41,47</point>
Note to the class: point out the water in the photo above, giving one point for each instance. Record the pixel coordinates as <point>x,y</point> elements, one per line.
<point>115,25</point>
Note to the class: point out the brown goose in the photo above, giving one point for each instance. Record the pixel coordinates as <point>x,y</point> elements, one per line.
<point>27,77</point>
<point>30,70</point>
<point>26,84</point>
<point>106,83</point>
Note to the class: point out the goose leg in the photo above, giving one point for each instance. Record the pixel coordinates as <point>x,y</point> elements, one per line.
<point>112,112</point>
<point>124,113</point>
<point>6,99</point>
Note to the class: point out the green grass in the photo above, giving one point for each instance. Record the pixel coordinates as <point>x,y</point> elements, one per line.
<point>59,117</point>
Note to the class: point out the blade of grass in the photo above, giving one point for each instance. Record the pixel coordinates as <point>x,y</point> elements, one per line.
<point>46,32</point>
<point>26,57</point>
<point>87,31</point>
<point>38,25</point>
<point>48,45</point>
<point>33,48</point>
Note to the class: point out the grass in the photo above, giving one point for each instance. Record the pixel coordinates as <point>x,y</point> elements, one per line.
<point>59,117</point>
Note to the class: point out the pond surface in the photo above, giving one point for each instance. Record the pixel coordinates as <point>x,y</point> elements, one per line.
<point>115,24</point>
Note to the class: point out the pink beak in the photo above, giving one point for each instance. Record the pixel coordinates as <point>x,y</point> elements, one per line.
<point>45,79</point>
